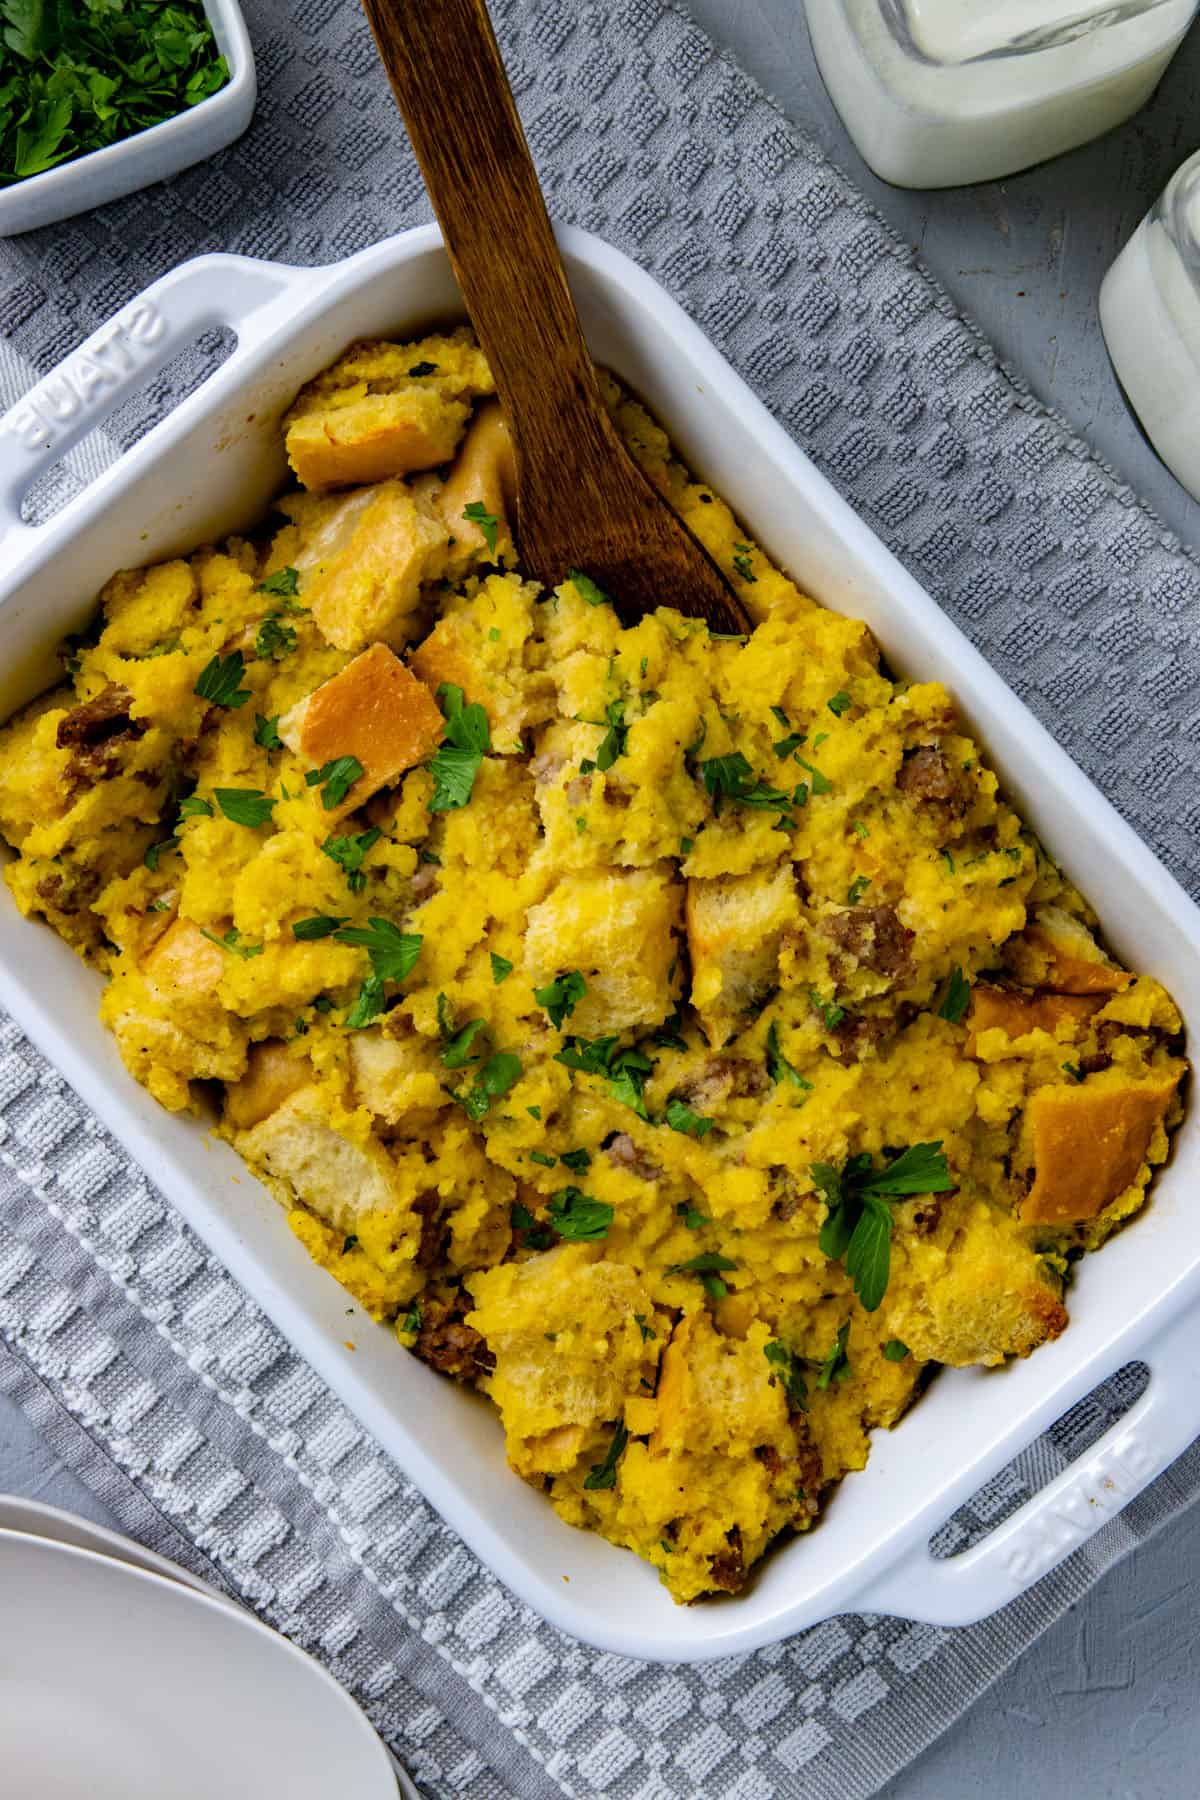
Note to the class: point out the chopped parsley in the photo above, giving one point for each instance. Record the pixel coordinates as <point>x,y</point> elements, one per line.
<point>625,1070</point>
<point>710,1266</point>
<point>348,854</point>
<point>680,1117</point>
<point>232,941</point>
<point>501,969</point>
<point>195,807</point>
<point>741,562</point>
<point>790,1369</point>
<point>948,859</point>
<point>498,1074</point>
<point>244,806</point>
<point>612,744</point>
<point>274,639</point>
<point>686,846</point>
<point>335,779</point>
<point>836,1366</point>
<point>695,1221</point>
<point>546,1162</point>
<point>604,1475</point>
<point>857,889</point>
<point>320,925</point>
<point>646,1330</point>
<point>588,589</point>
<point>477,514</point>
<point>412,1318</point>
<point>821,784</point>
<point>154,851</point>
<point>455,765</point>
<point>266,732</point>
<point>831,1014</point>
<point>858,1225</point>
<point>457,1051</point>
<point>576,1160</point>
<point>956,999</point>
<point>561,996</point>
<point>731,778</point>
<point>393,952</point>
<point>220,681</point>
<point>895,1351</point>
<point>577,1217</point>
<point>839,703</point>
<point>778,1066</point>
<point>284,583</point>
<point>1074,1071</point>
<point>368,1006</point>
<point>535,1236</point>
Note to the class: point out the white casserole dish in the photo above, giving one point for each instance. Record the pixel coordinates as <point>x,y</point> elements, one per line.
<point>148,156</point>
<point>211,467</point>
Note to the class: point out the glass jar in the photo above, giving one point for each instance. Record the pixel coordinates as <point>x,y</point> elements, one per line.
<point>1150,314</point>
<point>936,93</point>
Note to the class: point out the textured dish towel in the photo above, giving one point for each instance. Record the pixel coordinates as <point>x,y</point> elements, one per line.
<point>132,1350</point>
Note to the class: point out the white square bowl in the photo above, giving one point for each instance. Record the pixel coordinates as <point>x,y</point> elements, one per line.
<point>148,156</point>
<point>211,468</point>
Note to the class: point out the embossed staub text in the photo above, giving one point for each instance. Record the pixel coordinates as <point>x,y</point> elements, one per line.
<point>93,375</point>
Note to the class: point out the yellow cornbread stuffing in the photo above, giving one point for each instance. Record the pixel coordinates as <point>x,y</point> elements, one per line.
<point>678,1038</point>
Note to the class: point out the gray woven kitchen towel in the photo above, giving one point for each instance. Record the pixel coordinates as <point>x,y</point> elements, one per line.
<point>135,1354</point>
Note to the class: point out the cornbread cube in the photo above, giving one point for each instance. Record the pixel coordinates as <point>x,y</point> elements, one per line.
<point>1088,1144</point>
<point>988,1297</point>
<point>1056,951</point>
<point>481,649</point>
<point>368,416</point>
<point>1017,1012</point>
<point>272,1076</point>
<point>365,558</point>
<point>734,927</point>
<point>617,929</point>
<point>568,1349</point>
<point>373,709</point>
<point>337,1177</point>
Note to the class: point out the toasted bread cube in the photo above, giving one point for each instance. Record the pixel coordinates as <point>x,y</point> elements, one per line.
<point>370,439</point>
<point>1057,952</point>
<point>1088,1144</point>
<point>365,558</point>
<point>335,1176</point>
<point>373,709</point>
<point>568,1350</point>
<point>735,924</point>
<point>988,1298</point>
<point>185,961</point>
<point>272,1076</point>
<point>484,473</point>
<point>616,928</point>
<point>396,1076</point>
<point>1017,1012</point>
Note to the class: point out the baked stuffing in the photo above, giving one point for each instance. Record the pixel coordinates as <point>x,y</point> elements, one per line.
<point>678,1038</point>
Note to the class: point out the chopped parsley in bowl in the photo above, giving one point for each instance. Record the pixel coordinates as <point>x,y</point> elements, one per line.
<point>77,78</point>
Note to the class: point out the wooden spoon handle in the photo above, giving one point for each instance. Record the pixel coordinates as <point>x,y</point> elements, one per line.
<point>449,81</point>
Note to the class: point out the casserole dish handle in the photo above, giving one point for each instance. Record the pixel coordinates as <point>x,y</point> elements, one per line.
<point>1064,1515</point>
<point>123,354</point>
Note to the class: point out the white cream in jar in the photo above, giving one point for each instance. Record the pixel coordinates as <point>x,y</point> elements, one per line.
<point>1150,313</point>
<point>936,93</point>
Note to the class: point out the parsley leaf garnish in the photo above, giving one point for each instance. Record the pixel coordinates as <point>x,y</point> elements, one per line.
<point>284,582</point>
<point>393,952</point>
<point>457,1052</point>
<point>731,778</point>
<point>455,765</point>
<point>821,784</point>
<point>498,1074</point>
<point>501,969</point>
<point>154,851</point>
<point>232,942</point>
<point>274,640</point>
<point>477,514</point>
<point>857,889</point>
<point>956,999</point>
<point>266,732</point>
<point>612,744</point>
<point>244,806</point>
<point>646,1330</point>
<point>858,1225</point>
<point>604,1475</point>
<point>839,703</point>
<point>320,925</point>
<point>742,563</point>
<point>680,1117</point>
<point>561,996</point>
<point>790,1368</point>
<point>831,1014</point>
<point>576,1160</point>
<point>348,854</point>
<point>335,779</point>
<point>709,1266</point>
<point>195,807</point>
<point>588,589</point>
<point>368,1006</point>
<point>220,681</point>
<point>895,1351</point>
<point>1074,1071</point>
<point>778,1066</point>
<point>836,1366</point>
<point>577,1217</point>
<point>625,1070</point>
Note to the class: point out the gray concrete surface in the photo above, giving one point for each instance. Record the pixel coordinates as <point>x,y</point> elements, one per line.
<point>1106,1704</point>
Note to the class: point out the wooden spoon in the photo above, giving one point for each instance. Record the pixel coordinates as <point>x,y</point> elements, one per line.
<point>582,501</point>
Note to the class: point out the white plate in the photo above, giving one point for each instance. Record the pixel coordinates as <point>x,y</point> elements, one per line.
<point>117,1684</point>
<point>211,468</point>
